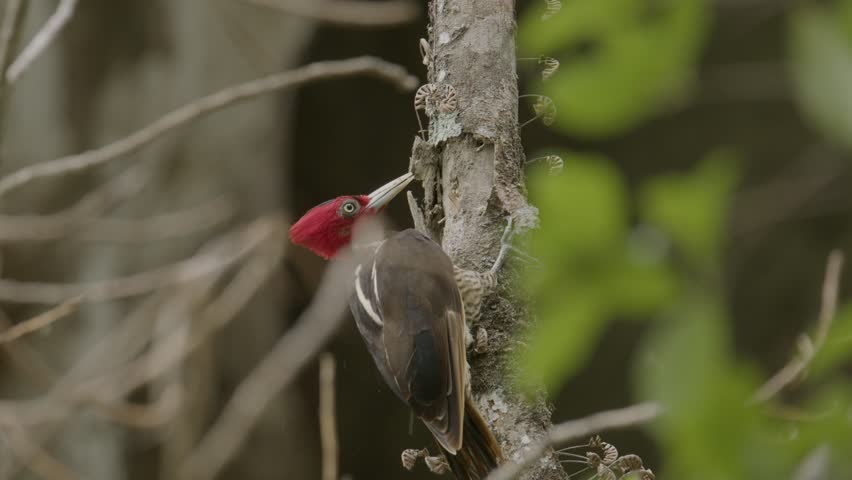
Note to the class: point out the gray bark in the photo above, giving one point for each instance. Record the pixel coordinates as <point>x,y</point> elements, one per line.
<point>471,168</point>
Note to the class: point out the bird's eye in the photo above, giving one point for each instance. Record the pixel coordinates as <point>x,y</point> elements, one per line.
<point>349,208</point>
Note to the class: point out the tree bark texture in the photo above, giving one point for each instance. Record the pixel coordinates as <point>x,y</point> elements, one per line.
<point>471,169</point>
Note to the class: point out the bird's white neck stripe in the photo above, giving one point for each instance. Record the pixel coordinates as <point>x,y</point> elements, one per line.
<point>362,299</point>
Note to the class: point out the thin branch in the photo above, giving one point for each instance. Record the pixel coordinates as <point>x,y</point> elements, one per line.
<point>332,69</point>
<point>327,418</point>
<point>278,369</point>
<point>584,427</point>
<point>69,225</point>
<point>92,205</point>
<point>34,457</point>
<point>10,30</point>
<point>111,369</point>
<point>347,13</point>
<point>173,349</point>
<point>148,416</point>
<point>10,27</point>
<point>42,39</point>
<point>224,253</point>
<point>807,347</point>
<point>40,321</point>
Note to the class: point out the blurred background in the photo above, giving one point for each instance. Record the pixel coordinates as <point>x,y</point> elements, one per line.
<point>690,159</point>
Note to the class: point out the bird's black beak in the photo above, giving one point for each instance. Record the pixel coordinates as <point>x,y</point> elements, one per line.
<point>384,194</point>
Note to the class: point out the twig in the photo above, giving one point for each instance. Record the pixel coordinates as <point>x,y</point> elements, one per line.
<point>148,416</point>
<point>39,321</point>
<point>68,225</point>
<point>93,204</point>
<point>328,429</point>
<point>10,30</point>
<point>347,13</point>
<point>123,341</point>
<point>227,250</point>
<point>42,39</point>
<point>29,362</point>
<point>85,382</point>
<point>807,347</point>
<point>170,351</point>
<point>583,427</point>
<point>277,370</point>
<point>34,457</point>
<point>371,66</point>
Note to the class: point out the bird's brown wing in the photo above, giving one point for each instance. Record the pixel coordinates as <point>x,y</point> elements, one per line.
<point>409,310</point>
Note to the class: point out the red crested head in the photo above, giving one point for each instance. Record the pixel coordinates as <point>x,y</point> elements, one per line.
<point>327,228</point>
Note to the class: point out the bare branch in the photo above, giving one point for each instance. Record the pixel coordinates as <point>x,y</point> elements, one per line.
<point>332,69</point>
<point>583,427</point>
<point>224,253</point>
<point>39,321</point>
<point>10,30</point>
<point>34,457</point>
<point>328,428</point>
<point>42,39</point>
<point>277,370</point>
<point>149,416</point>
<point>111,369</point>
<point>807,347</point>
<point>347,13</point>
<point>70,225</point>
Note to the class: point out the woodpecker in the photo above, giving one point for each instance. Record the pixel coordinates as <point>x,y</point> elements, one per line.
<point>410,305</point>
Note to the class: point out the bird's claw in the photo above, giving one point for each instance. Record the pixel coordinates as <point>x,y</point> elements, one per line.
<point>437,464</point>
<point>410,456</point>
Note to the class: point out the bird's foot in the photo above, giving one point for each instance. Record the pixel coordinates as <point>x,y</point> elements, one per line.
<point>437,464</point>
<point>411,455</point>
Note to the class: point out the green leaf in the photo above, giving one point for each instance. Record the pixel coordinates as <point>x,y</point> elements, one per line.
<point>707,431</point>
<point>583,218</point>
<point>640,288</point>
<point>837,349</point>
<point>622,60</point>
<point>692,208</point>
<point>569,326</point>
<point>821,57</point>
<point>584,209</point>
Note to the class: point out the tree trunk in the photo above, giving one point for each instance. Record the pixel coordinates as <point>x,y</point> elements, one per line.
<point>471,169</point>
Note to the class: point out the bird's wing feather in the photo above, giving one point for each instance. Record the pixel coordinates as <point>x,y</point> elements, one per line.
<point>418,340</point>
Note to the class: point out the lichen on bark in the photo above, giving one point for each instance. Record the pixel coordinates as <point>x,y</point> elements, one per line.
<point>471,171</point>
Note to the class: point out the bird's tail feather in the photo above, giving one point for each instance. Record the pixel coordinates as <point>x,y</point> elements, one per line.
<point>480,453</point>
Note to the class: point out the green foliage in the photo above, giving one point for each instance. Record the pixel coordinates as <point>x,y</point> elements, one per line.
<point>595,269</point>
<point>606,255</point>
<point>837,350</point>
<point>692,207</point>
<point>688,369</point>
<point>590,275</point>
<point>821,58</point>
<point>622,60</point>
